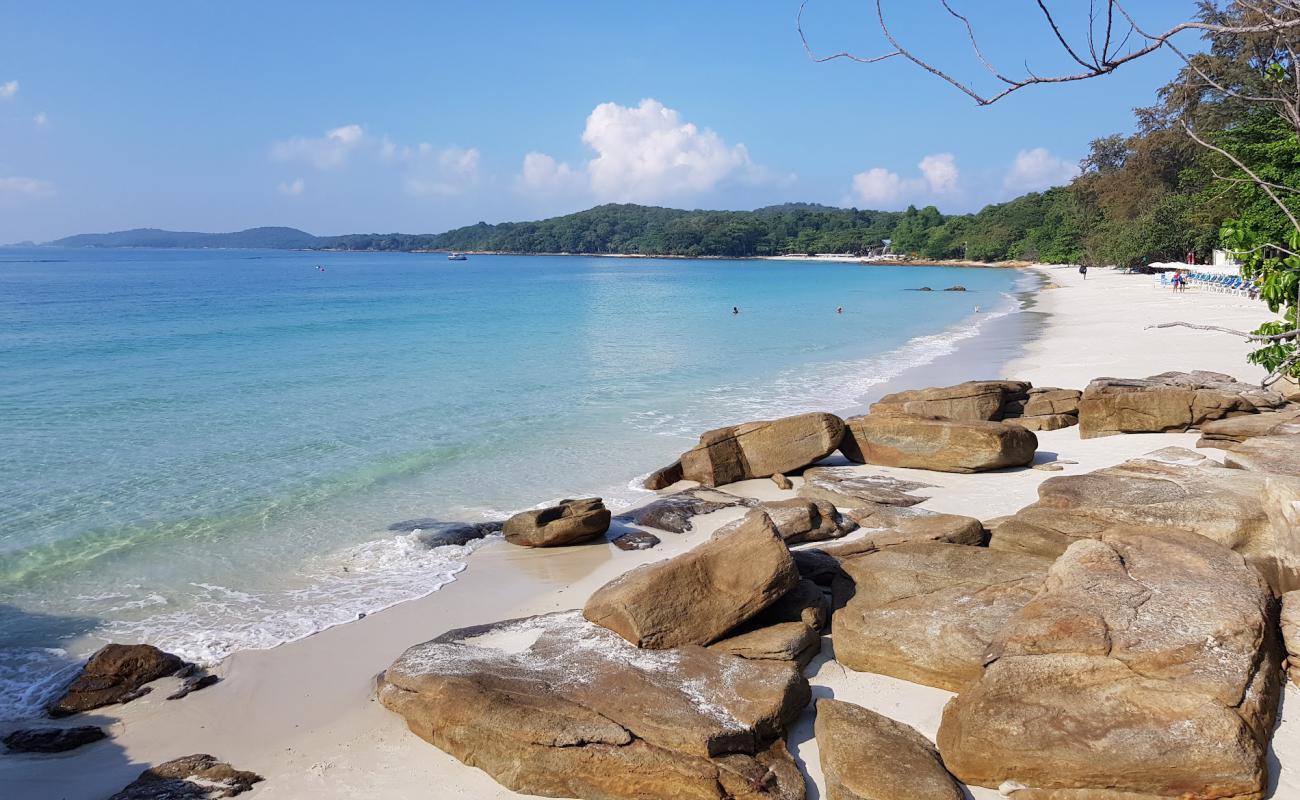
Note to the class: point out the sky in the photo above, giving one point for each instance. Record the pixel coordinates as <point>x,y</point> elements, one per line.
<point>339,117</point>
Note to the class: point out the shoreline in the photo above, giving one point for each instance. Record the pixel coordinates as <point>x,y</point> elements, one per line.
<point>319,732</point>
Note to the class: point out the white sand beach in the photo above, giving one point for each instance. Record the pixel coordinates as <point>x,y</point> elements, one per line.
<point>303,714</point>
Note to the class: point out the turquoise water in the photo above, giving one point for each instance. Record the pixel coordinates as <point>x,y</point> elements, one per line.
<point>204,449</point>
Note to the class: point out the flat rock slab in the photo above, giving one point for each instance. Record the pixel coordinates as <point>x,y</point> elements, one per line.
<point>196,777</point>
<point>1227,432</point>
<point>1275,453</point>
<point>928,613</point>
<point>116,673</point>
<point>53,740</point>
<point>1170,401</point>
<point>1148,664</point>
<point>944,528</point>
<point>788,630</point>
<point>673,512</point>
<point>555,706</point>
<point>696,597</point>
<point>973,400</point>
<point>915,442</point>
<point>867,756</point>
<point>847,487</point>
<point>1046,422</point>
<point>1174,487</point>
<point>761,449</point>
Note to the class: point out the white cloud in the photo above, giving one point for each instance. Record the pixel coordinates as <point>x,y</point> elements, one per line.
<point>543,173</point>
<point>27,187</point>
<point>877,186</point>
<point>446,172</point>
<point>40,119</point>
<point>292,188</point>
<point>323,152</point>
<point>940,172</point>
<point>8,89</point>
<point>1038,169</point>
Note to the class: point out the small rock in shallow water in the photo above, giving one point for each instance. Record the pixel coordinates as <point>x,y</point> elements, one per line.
<point>52,740</point>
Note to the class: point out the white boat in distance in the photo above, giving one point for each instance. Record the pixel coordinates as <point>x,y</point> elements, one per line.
<point>457,257</point>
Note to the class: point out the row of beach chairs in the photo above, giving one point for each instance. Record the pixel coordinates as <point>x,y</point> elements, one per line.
<point>1226,284</point>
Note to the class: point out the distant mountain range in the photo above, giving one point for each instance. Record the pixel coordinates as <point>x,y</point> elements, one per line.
<point>271,238</point>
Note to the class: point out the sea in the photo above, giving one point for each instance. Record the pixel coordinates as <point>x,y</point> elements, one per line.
<point>213,450</point>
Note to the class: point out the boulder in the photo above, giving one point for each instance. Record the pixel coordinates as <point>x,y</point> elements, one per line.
<point>196,777</point>
<point>973,400</point>
<point>1249,512</point>
<point>906,440</point>
<point>52,740</point>
<point>1043,402</point>
<point>116,673</point>
<point>1276,453</point>
<point>1148,667</point>
<point>760,449</point>
<point>788,630</point>
<point>782,482</point>
<point>867,756</point>
<point>1047,422</point>
<point>673,512</point>
<point>698,596</point>
<point>569,522</point>
<point>1170,401</point>
<point>847,487</point>
<point>1291,633</point>
<point>635,540</point>
<point>941,528</point>
<point>800,520</point>
<point>1232,430</point>
<point>557,707</point>
<point>664,477</point>
<point>927,613</point>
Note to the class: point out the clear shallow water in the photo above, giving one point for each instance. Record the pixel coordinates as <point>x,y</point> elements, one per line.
<point>204,449</point>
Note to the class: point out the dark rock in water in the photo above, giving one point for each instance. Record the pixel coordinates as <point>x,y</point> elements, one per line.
<point>196,683</point>
<point>578,712</point>
<point>673,513</point>
<point>53,740</point>
<point>196,777</point>
<point>117,673</point>
<point>665,477</point>
<point>955,289</point>
<point>635,540</point>
<point>435,533</point>
<point>923,289</point>
<point>569,522</point>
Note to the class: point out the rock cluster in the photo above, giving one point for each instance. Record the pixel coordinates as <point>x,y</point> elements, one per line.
<point>1234,430</point>
<point>970,401</point>
<point>758,449</point>
<point>556,706</point>
<point>798,520</point>
<point>569,522</point>
<point>196,777</point>
<point>116,673</point>
<point>1170,401</point>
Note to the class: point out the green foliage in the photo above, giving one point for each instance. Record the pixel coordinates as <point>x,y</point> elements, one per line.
<point>1277,275</point>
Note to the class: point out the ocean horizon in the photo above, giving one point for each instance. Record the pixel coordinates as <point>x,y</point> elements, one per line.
<point>208,450</point>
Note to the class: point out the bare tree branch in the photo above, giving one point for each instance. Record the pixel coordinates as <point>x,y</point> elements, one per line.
<point>1295,224</point>
<point>1250,337</point>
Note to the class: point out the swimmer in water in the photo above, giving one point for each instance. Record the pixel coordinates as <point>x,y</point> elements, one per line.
<point>735,310</point>
<point>839,309</point>
<point>977,309</point>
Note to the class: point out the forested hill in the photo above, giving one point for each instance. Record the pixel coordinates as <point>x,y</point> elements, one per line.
<point>271,238</point>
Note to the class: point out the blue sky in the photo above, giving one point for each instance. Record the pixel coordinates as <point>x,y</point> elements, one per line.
<point>420,116</point>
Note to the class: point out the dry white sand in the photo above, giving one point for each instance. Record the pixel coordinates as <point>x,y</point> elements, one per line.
<point>303,714</point>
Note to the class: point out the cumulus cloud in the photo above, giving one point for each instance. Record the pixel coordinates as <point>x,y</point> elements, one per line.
<point>880,187</point>
<point>8,89</point>
<point>292,188</point>
<point>446,172</point>
<point>40,119</point>
<point>25,187</point>
<point>542,172</point>
<point>1038,169</point>
<point>322,152</point>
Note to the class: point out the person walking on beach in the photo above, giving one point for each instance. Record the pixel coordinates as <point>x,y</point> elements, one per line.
<point>1177,281</point>
<point>1083,270</point>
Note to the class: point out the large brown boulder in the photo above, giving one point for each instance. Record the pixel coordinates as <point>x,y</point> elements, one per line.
<point>904,440</point>
<point>1290,620</point>
<point>847,487</point>
<point>1276,453</point>
<point>698,596</point>
<point>800,520</point>
<point>1045,401</point>
<point>663,477</point>
<point>674,512</point>
<point>557,707</point>
<point>1232,430</point>
<point>1148,665</point>
<point>868,756</point>
<point>196,777</point>
<point>116,673</point>
<point>1174,487</point>
<point>1170,401</point>
<point>761,449</point>
<point>569,522</point>
<point>788,630</point>
<point>927,613</point>
<point>973,400</point>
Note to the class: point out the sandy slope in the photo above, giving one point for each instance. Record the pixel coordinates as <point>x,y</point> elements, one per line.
<point>303,716</point>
